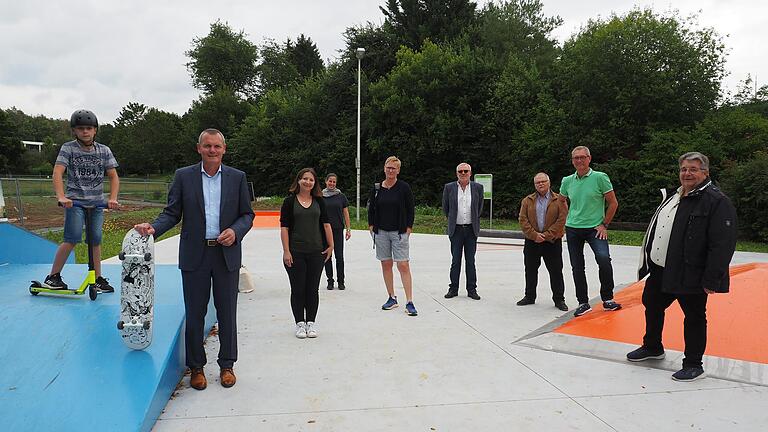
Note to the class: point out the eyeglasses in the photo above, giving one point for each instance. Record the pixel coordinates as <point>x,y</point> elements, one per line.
<point>462,171</point>
<point>579,157</point>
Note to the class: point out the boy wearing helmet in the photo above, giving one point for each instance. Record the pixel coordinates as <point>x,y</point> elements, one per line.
<point>85,161</point>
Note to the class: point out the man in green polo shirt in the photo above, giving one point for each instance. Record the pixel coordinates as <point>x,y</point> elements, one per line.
<point>592,207</point>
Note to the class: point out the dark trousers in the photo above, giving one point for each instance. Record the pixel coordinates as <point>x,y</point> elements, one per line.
<point>694,308</point>
<point>338,254</point>
<point>553,258</point>
<point>197,293</point>
<point>463,241</point>
<point>576,238</point>
<point>304,276</point>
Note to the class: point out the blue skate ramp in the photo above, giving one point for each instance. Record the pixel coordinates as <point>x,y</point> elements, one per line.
<point>64,364</point>
<point>19,246</point>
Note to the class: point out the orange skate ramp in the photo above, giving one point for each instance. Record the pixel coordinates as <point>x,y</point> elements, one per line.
<point>737,322</point>
<point>266,219</point>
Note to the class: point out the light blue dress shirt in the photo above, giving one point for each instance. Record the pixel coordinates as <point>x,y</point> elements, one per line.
<point>541,209</point>
<point>212,202</point>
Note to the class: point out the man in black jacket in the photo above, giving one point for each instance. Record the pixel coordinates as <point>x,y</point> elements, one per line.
<point>687,249</point>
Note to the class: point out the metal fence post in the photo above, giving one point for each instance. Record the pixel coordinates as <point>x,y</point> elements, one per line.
<point>18,201</point>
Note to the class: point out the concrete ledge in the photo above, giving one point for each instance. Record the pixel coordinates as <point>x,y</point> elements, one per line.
<point>507,234</point>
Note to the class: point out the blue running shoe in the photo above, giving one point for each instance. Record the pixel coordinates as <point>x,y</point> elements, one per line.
<point>390,304</point>
<point>411,309</point>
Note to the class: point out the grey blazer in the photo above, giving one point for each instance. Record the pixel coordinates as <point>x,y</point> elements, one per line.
<point>185,205</point>
<point>450,204</point>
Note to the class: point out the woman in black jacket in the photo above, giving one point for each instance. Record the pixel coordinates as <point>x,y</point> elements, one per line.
<point>307,243</point>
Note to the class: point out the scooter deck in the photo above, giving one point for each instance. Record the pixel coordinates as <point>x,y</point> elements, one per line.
<point>137,290</point>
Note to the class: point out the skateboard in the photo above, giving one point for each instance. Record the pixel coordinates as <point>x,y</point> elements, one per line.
<point>137,290</point>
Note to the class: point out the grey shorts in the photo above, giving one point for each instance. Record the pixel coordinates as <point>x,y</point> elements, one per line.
<point>391,245</point>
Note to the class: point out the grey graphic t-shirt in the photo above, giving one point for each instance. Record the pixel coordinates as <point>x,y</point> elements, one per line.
<point>85,169</point>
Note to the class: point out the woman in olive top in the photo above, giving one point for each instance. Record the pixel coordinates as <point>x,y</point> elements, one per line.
<point>338,215</point>
<point>307,244</point>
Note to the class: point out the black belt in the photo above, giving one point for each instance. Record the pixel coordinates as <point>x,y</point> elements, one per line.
<point>211,243</point>
<point>464,225</point>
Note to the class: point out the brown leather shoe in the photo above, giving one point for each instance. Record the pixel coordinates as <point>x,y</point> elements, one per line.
<point>197,379</point>
<point>228,378</point>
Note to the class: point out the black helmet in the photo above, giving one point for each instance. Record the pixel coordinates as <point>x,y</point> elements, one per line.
<point>83,118</point>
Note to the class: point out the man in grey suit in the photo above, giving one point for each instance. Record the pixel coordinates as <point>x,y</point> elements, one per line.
<point>213,204</point>
<point>462,204</point>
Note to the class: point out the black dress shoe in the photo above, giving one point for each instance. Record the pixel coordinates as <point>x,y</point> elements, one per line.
<point>450,294</point>
<point>525,301</point>
<point>473,295</point>
<point>562,306</point>
<point>342,286</point>
<point>330,285</point>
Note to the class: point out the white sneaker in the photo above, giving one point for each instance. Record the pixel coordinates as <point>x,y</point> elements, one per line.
<point>301,330</point>
<point>311,330</point>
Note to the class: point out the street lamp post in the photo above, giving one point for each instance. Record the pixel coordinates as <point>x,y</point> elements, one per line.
<point>360,52</point>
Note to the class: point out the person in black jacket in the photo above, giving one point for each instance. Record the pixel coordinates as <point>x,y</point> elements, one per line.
<point>687,250</point>
<point>390,220</point>
<point>307,244</point>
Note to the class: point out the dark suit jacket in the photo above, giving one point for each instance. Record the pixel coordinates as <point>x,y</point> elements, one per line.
<point>185,204</point>
<point>450,205</point>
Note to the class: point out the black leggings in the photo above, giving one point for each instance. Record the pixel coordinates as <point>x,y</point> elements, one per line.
<point>338,254</point>
<point>304,276</point>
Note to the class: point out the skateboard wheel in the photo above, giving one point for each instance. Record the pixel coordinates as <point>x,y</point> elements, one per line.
<point>92,292</point>
<point>120,325</point>
<point>121,256</point>
<point>146,325</point>
<point>147,256</point>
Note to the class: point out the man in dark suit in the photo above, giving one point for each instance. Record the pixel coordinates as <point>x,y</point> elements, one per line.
<point>462,204</point>
<point>213,204</point>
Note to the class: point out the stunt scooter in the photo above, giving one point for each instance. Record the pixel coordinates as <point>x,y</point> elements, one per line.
<point>90,279</point>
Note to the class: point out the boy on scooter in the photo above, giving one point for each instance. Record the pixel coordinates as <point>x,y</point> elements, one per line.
<point>85,161</point>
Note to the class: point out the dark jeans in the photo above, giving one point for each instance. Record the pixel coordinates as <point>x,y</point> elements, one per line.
<point>338,254</point>
<point>463,241</point>
<point>576,238</point>
<point>694,308</point>
<point>197,294</point>
<point>553,258</point>
<point>304,276</point>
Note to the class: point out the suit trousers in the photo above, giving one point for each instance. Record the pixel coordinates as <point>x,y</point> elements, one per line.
<point>304,276</point>
<point>553,258</point>
<point>197,294</point>
<point>338,255</point>
<point>463,241</point>
<point>694,308</point>
<point>576,238</point>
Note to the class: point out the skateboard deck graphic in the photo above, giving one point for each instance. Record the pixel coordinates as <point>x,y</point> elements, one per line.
<point>137,290</point>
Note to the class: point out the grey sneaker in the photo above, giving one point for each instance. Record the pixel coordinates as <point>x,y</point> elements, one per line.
<point>582,309</point>
<point>301,330</point>
<point>689,374</point>
<point>643,353</point>
<point>611,305</point>
<point>54,282</point>
<point>102,285</point>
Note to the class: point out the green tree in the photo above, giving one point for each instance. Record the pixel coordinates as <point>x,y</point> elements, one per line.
<point>288,63</point>
<point>437,20</point>
<point>11,149</point>
<point>622,77</point>
<point>224,59</point>
<point>306,57</point>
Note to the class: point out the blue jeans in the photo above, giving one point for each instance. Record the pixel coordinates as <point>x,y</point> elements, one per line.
<point>74,220</point>
<point>463,240</point>
<point>576,238</point>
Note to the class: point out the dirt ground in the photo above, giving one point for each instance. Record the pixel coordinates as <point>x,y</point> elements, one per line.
<point>45,213</point>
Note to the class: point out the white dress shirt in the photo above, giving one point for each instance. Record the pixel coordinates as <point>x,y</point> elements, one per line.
<point>464,210</point>
<point>664,223</point>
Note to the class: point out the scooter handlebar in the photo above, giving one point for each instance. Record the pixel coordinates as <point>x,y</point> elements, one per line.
<point>81,204</point>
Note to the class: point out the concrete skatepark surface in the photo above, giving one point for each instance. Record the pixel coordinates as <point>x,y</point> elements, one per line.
<point>460,365</point>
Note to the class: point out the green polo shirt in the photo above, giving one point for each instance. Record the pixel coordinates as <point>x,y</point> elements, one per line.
<point>587,200</point>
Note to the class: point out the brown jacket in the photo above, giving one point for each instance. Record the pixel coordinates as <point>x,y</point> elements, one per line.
<point>554,220</point>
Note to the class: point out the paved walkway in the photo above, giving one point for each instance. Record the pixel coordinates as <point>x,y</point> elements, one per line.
<point>461,365</point>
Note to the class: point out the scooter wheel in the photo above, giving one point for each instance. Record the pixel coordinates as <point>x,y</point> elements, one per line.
<point>147,256</point>
<point>146,325</point>
<point>121,256</point>
<point>92,292</point>
<point>33,292</point>
<point>120,325</point>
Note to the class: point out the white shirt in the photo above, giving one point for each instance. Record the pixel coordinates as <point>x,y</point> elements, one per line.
<point>464,210</point>
<point>664,222</point>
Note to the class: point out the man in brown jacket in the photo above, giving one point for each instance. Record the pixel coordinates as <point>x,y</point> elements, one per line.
<point>542,219</point>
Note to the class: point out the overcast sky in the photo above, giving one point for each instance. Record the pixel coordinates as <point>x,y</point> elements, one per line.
<point>58,56</point>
